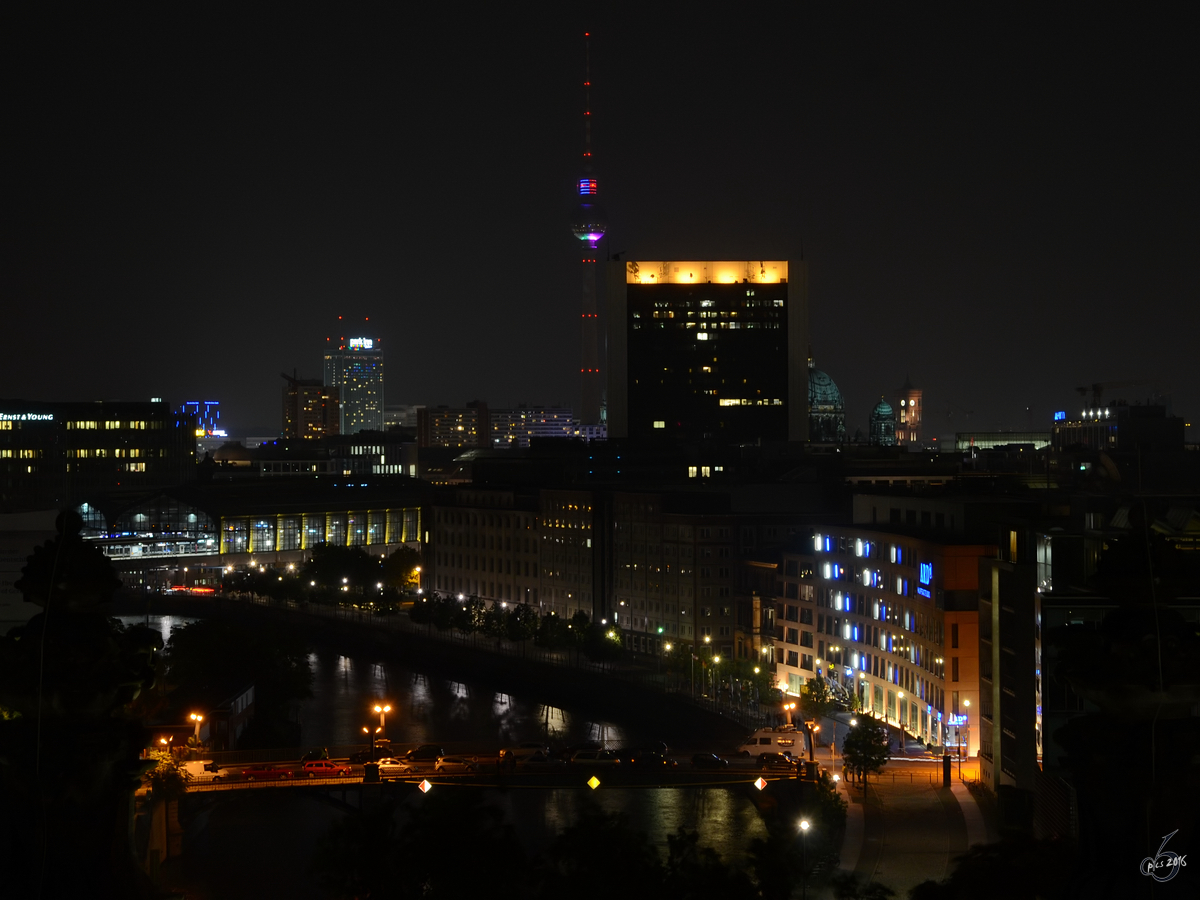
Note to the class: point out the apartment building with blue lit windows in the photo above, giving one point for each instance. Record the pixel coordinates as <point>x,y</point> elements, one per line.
<point>890,621</point>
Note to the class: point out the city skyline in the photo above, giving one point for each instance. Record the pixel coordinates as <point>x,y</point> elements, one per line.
<point>1001,212</point>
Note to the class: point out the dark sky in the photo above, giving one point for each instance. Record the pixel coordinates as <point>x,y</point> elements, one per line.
<point>1001,208</point>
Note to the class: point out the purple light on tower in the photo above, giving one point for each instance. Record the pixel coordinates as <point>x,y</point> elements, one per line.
<point>587,224</point>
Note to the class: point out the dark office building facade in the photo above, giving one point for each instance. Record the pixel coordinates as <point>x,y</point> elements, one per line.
<point>707,351</point>
<point>54,454</point>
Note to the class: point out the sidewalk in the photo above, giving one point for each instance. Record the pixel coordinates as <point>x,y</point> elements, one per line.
<point>901,834</point>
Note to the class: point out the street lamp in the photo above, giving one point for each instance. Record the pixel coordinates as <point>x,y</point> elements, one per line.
<point>966,736</point>
<point>197,718</point>
<point>383,709</point>
<point>804,826</point>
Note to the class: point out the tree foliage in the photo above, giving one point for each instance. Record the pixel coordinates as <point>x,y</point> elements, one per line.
<point>815,698</point>
<point>168,779</point>
<point>865,745</point>
<point>69,745</point>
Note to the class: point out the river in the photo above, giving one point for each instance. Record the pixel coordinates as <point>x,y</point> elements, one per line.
<point>258,844</point>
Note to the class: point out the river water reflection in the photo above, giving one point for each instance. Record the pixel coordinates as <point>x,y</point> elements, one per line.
<point>452,713</point>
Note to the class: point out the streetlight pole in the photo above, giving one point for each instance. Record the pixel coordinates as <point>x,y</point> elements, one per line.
<point>804,826</point>
<point>197,718</point>
<point>966,737</point>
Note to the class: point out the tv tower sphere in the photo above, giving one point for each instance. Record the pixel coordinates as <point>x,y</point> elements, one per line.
<point>588,222</point>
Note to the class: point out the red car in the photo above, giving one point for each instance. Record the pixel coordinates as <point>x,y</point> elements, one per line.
<point>324,768</point>
<point>267,772</point>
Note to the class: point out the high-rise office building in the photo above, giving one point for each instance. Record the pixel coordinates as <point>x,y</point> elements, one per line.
<point>708,350</point>
<point>355,367</point>
<point>310,409</point>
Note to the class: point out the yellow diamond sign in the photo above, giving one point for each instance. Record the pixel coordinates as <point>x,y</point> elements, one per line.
<point>425,785</point>
<point>593,782</point>
<point>760,783</point>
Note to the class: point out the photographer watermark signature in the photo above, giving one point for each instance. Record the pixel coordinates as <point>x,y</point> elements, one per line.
<point>1165,864</point>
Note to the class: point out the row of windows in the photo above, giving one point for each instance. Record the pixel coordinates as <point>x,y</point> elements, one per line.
<point>115,425</point>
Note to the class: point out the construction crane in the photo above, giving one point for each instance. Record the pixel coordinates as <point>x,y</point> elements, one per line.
<point>1098,389</point>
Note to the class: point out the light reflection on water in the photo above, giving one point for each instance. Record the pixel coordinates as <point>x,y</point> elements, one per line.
<point>428,708</point>
<point>164,625</point>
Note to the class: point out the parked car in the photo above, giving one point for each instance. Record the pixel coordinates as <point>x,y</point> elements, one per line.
<point>538,761</point>
<point>651,759</point>
<point>595,758</point>
<point>324,768</point>
<point>709,761</point>
<point>382,749</point>
<point>424,757</point>
<point>267,772</point>
<point>455,765</point>
<point>390,767</point>
<point>571,750</point>
<point>777,761</point>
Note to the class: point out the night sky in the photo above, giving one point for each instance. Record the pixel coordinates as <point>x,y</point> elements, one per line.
<point>1000,208</point>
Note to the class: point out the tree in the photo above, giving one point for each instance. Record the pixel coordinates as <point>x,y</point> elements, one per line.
<point>522,622</point>
<point>815,698</point>
<point>847,887</point>
<point>865,747</point>
<point>168,779</point>
<point>70,758</point>
<point>402,570</point>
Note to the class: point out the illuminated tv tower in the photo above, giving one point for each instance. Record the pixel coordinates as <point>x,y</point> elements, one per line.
<point>587,224</point>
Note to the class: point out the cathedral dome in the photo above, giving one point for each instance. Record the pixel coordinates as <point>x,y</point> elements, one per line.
<point>883,409</point>
<point>823,394</point>
<point>826,409</point>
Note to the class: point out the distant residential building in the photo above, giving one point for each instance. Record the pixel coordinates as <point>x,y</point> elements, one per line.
<point>355,367</point>
<point>515,427</point>
<point>707,350</point>
<point>402,415</point>
<point>310,409</point>
<point>445,426</point>
<point>911,406</point>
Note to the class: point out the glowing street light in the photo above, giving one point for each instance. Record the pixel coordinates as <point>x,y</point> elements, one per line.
<point>383,709</point>
<point>804,826</point>
<point>197,719</point>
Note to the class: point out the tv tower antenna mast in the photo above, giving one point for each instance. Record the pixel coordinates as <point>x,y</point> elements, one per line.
<point>588,225</point>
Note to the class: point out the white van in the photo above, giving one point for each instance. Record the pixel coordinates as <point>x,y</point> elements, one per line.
<point>784,739</point>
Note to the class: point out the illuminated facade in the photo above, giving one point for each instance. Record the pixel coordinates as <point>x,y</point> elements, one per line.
<point>53,454</point>
<point>188,535</point>
<point>355,367</point>
<point>310,409</point>
<point>910,407</point>
<point>708,350</point>
<point>891,622</point>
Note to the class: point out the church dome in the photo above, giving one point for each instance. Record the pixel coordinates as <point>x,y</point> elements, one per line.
<point>883,409</point>
<point>823,394</point>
